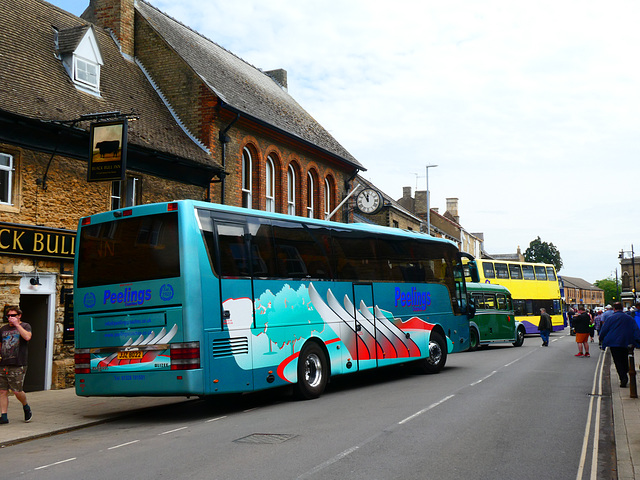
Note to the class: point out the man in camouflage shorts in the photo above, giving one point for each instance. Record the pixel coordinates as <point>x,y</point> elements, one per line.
<point>14,340</point>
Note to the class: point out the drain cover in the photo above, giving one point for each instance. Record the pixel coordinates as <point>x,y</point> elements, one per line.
<point>266,438</point>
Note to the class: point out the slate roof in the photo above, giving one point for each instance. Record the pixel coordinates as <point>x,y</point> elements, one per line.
<point>240,85</point>
<point>34,83</point>
<point>574,282</point>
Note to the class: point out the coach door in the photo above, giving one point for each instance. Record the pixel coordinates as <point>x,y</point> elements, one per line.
<point>365,324</point>
<point>236,308</point>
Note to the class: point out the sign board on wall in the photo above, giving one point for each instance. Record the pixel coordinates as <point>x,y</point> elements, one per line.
<point>34,241</point>
<point>108,154</point>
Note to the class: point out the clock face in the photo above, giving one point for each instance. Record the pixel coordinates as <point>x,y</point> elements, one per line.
<point>369,201</point>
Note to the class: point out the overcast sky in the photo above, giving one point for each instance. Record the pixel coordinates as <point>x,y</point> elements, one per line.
<point>530,110</point>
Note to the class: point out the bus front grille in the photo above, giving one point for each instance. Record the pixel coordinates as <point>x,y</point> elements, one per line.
<point>227,347</point>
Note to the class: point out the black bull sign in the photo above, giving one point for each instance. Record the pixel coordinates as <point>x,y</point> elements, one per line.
<point>36,241</point>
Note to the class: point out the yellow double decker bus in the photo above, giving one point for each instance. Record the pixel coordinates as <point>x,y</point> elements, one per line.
<point>532,285</point>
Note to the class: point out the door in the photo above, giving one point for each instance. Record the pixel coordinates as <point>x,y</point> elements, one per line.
<point>365,323</point>
<point>35,311</point>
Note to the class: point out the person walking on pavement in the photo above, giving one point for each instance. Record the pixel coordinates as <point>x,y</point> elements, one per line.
<point>544,326</point>
<point>581,324</point>
<point>617,333</point>
<point>14,338</point>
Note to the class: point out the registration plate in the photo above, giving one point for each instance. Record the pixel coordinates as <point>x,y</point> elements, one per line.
<point>130,354</point>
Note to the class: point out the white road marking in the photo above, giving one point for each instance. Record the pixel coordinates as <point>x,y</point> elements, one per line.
<point>172,431</point>
<point>123,445</point>
<point>433,405</point>
<point>597,383</point>
<point>56,463</point>
<point>483,378</point>
<point>215,419</point>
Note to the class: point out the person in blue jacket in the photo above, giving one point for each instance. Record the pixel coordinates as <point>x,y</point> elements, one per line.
<point>619,331</point>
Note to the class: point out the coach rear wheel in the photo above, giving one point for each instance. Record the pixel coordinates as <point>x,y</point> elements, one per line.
<point>313,372</point>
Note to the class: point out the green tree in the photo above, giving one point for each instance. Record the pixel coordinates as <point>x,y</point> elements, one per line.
<point>611,293</point>
<point>543,252</point>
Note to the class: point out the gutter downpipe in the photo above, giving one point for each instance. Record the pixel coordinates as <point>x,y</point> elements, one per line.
<point>224,139</point>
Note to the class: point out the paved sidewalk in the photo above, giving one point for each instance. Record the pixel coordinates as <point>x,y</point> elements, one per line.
<point>626,419</point>
<point>61,410</point>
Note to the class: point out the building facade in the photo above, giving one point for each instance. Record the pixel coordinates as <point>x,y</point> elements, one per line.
<point>193,131</point>
<point>630,279</point>
<point>580,292</point>
<point>446,225</point>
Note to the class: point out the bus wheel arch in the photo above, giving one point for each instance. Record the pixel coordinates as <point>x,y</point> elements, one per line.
<point>313,370</point>
<point>474,338</point>
<point>437,358</point>
<point>519,336</point>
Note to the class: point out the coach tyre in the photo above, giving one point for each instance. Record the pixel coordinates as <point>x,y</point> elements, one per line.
<point>437,354</point>
<point>313,371</point>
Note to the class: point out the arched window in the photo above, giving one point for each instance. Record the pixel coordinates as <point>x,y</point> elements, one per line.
<point>291,191</point>
<point>246,178</point>
<point>328,195</point>
<point>270,187</point>
<point>310,195</point>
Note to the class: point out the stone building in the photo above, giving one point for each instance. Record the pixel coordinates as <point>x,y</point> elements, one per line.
<point>201,124</point>
<point>630,278</point>
<point>445,225</point>
<point>580,292</point>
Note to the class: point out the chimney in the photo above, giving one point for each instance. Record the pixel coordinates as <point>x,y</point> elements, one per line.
<point>116,16</point>
<point>406,192</point>
<point>452,208</point>
<point>421,202</point>
<point>280,77</point>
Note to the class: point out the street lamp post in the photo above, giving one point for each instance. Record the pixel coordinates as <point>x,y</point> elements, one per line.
<point>429,200</point>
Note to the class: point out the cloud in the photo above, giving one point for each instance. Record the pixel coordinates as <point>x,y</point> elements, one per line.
<point>529,109</point>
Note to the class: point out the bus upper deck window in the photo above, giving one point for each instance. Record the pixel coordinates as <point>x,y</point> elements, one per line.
<point>487,267</point>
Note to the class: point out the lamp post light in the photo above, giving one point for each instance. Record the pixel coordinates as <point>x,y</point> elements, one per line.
<point>429,200</point>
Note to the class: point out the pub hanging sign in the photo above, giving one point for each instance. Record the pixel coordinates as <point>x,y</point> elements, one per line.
<point>108,154</point>
<point>33,241</point>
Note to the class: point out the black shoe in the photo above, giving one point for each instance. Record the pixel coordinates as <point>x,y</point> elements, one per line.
<point>4,421</point>
<point>623,383</point>
<point>28,415</point>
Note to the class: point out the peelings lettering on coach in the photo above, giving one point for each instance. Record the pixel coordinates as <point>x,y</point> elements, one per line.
<point>128,297</point>
<point>414,298</point>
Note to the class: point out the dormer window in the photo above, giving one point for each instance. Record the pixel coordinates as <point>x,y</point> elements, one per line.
<point>79,51</point>
<point>87,73</point>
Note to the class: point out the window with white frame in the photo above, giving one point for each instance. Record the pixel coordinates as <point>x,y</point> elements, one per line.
<point>86,73</point>
<point>270,189</point>
<point>310,195</point>
<point>291,191</point>
<point>246,178</point>
<point>126,193</point>
<point>6,178</point>
<point>327,197</point>
<point>116,195</point>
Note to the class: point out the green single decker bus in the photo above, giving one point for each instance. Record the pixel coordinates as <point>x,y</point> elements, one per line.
<point>494,320</point>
